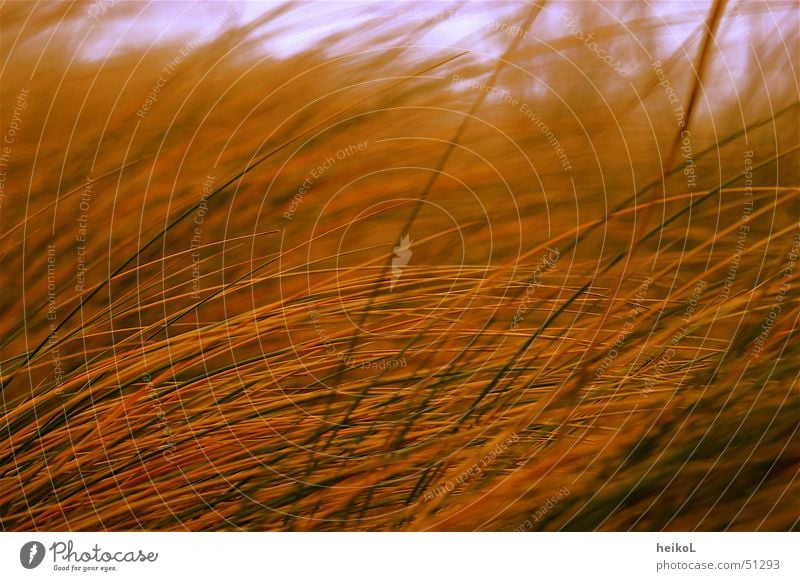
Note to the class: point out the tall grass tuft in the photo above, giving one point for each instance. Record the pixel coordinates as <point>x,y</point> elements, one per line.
<point>399,266</point>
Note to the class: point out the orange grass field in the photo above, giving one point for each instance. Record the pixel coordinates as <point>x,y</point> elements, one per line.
<point>399,266</point>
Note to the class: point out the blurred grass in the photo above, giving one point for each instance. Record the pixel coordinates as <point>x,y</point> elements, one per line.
<point>267,393</point>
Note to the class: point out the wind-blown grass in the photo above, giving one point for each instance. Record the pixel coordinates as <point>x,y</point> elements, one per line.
<point>234,357</point>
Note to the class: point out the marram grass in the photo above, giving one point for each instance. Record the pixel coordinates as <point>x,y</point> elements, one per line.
<point>400,278</point>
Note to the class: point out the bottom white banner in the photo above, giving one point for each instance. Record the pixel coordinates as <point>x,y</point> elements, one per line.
<point>399,556</point>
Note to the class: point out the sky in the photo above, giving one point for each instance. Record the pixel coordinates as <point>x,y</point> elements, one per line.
<point>310,22</point>
<point>483,27</point>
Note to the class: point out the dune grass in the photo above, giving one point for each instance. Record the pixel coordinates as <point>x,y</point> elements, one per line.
<point>210,320</point>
